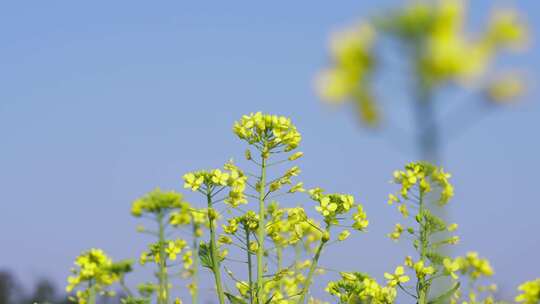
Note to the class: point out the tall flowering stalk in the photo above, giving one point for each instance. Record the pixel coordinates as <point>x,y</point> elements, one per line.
<point>416,181</point>
<point>332,207</point>
<point>195,220</point>
<point>210,184</point>
<point>272,137</point>
<point>158,206</point>
<point>269,134</point>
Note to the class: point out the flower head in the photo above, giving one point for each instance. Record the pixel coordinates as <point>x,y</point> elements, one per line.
<point>157,201</point>
<point>267,132</point>
<point>423,175</point>
<point>397,277</point>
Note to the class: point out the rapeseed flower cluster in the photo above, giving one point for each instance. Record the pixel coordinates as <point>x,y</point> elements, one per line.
<point>360,221</point>
<point>396,233</point>
<point>182,216</point>
<point>267,132</point>
<point>284,287</point>
<point>331,205</point>
<point>232,177</point>
<point>422,175</point>
<point>157,201</point>
<point>96,271</point>
<point>249,221</point>
<point>278,183</point>
<point>278,227</point>
<point>188,215</point>
<point>290,226</point>
<point>530,292</point>
<point>474,266</point>
<point>356,287</point>
<point>420,268</point>
<point>172,249</point>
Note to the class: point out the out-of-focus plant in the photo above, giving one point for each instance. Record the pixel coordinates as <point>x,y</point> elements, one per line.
<point>427,41</point>
<point>473,269</point>
<point>530,292</point>
<point>94,273</point>
<point>430,39</point>
<point>166,209</point>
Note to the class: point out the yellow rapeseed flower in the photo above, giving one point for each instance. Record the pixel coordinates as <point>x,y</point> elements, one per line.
<point>397,277</point>
<point>530,292</point>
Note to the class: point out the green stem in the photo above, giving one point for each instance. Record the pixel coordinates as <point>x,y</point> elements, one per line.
<point>163,294</point>
<point>249,265</point>
<point>297,255</point>
<point>279,250</point>
<point>422,286</point>
<point>195,280</point>
<point>427,127</point>
<point>214,251</point>
<point>124,286</point>
<point>430,149</point>
<point>261,232</point>
<point>312,269</point>
<point>91,293</point>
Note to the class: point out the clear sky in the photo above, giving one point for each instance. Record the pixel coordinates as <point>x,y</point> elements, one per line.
<point>101,101</point>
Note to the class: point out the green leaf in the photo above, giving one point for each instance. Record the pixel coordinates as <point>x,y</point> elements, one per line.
<point>234,299</point>
<point>205,255</point>
<point>445,296</point>
<point>435,257</point>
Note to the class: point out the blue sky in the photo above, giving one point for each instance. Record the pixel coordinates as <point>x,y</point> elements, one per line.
<point>102,101</point>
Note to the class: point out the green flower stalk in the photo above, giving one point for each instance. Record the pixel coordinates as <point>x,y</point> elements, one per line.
<point>215,259</point>
<point>261,228</point>
<point>195,281</point>
<point>163,276</point>
<point>269,134</point>
<point>333,207</point>
<point>249,266</point>
<point>315,262</point>
<point>416,182</point>
<point>210,184</point>
<point>196,220</point>
<point>160,207</point>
